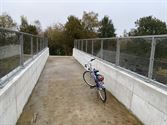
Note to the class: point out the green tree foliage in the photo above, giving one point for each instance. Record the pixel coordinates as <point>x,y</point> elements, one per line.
<point>56,40</point>
<point>61,37</point>
<point>90,24</point>
<point>90,21</point>
<point>28,28</point>
<point>73,30</point>
<point>6,38</point>
<point>149,26</point>
<point>37,24</point>
<point>6,21</point>
<point>106,28</point>
<point>161,48</point>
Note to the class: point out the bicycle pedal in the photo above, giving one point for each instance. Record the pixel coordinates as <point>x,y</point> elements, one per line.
<point>91,87</point>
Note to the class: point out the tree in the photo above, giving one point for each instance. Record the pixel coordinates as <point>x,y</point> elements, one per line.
<point>149,26</point>
<point>90,21</point>
<point>61,37</point>
<point>55,37</point>
<point>6,38</point>
<point>28,28</point>
<point>38,26</point>
<point>6,21</point>
<point>73,30</point>
<point>106,28</point>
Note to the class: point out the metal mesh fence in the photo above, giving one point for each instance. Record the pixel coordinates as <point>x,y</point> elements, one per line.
<point>89,46</point>
<point>109,50</point>
<point>135,54</point>
<point>160,60</point>
<point>97,48</point>
<point>143,55</point>
<point>9,52</point>
<point>26,47</point>
<point>16,49</point>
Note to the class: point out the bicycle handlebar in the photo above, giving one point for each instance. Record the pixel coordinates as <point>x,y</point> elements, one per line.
<point>86,65</point>
<point>92,59</point>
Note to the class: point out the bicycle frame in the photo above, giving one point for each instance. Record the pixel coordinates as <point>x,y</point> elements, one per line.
<point>96,80</point>
<point>99,84</point>
<point>88,66</point>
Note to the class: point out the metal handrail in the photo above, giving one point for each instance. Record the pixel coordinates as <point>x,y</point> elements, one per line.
<point>128,37</point>
<point>35,46</point>
<point>153,40</point>
<point>14,31</point>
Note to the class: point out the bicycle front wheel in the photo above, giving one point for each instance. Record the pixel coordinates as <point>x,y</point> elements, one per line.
<point>89,79</point>
<point>102,94</point>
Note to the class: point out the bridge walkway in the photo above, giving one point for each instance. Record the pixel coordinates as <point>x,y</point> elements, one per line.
<point>62,98</point>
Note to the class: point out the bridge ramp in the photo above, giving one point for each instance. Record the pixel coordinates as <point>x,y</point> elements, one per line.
<point>62,98</point>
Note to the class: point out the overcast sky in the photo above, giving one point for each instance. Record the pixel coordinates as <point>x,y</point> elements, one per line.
<point>122,12</point>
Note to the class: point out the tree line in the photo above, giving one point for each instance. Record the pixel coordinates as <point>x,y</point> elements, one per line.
<point>61,36</point>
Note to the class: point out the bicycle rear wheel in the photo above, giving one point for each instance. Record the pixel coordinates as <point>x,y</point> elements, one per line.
<point>102,94</point>
<point>89,79</point>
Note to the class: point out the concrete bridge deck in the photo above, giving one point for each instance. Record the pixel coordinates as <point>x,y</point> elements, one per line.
<point>62,98</point>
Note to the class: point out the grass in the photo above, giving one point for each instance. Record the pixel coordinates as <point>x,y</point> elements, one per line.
<point>8,64</point>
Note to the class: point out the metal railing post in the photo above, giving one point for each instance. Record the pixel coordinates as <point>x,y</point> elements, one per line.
<point>92,47</point>
<point>82,45</point>
<point>43,43</point>
<point>37,44</point>
<point>74,44</point>
<point>21,50</point>
<point>86,46</point>
<point>101,49</point>
<point>79,44</point>
<point>31,46</point>
<point>46,43</point>
<point>117,52</point>
<point>40,45</point>
<point>151,64</point>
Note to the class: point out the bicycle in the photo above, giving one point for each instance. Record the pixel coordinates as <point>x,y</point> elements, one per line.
<point>95,80</point>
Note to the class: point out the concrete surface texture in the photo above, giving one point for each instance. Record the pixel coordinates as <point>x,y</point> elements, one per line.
<point>62,98</point>
<point>145,100</point>
<point>14,95</point>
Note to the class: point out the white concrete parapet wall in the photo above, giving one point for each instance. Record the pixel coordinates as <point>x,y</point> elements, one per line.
<point>145,101</point>
<point>15,94</point>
